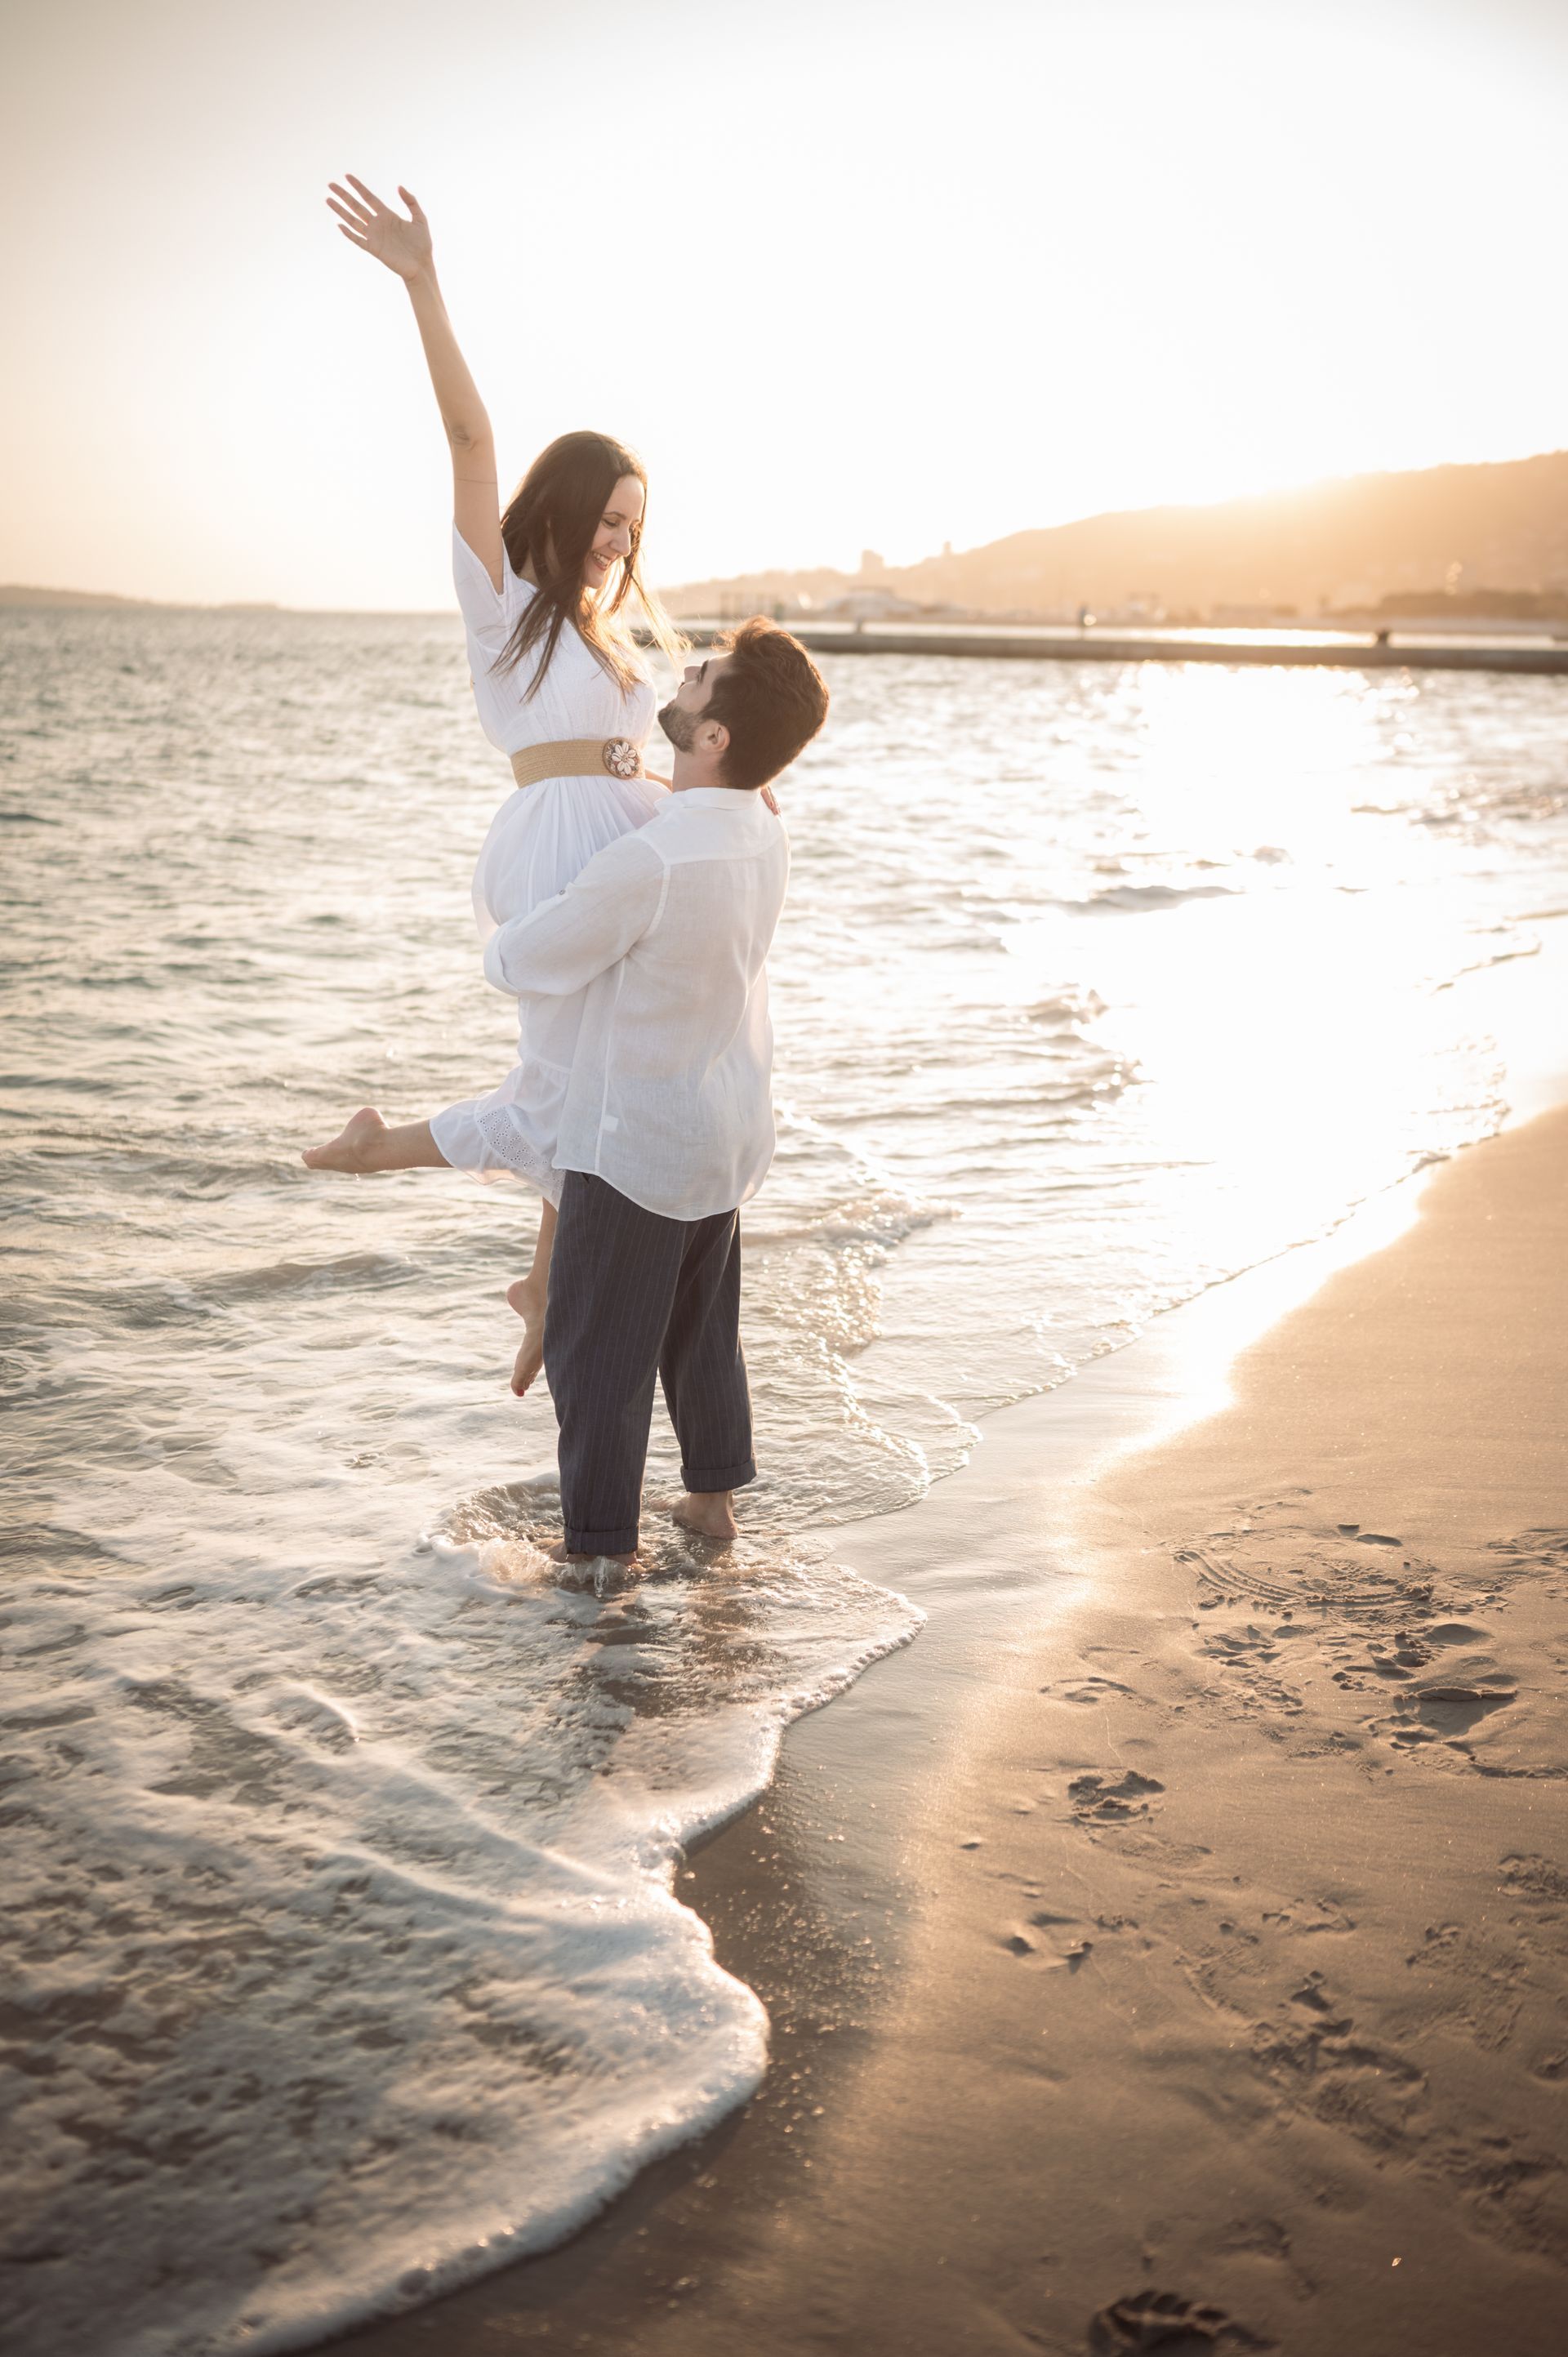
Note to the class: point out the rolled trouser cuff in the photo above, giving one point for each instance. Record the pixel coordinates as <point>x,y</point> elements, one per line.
<point>721,1477</point>
<point>622,1542</point>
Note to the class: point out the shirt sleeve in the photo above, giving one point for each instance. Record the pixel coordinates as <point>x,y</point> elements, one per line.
<point>489,612</point>
<point>564,944</point>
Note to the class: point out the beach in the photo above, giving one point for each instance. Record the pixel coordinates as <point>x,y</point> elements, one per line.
<point>1079,1863</point>
<point>1211,1973</point>
<point>367,1938</point>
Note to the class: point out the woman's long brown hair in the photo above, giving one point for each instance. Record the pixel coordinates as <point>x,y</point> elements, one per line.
<point>549,528</point>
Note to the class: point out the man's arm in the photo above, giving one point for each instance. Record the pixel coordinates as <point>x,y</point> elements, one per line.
<point>562,944</point>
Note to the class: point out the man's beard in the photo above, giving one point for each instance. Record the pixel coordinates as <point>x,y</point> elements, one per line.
<point>679,725</point>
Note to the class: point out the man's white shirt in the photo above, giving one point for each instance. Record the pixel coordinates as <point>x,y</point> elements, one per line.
<point>667,931</point>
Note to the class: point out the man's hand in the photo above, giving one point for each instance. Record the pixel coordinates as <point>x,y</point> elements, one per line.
<point>403,246</point>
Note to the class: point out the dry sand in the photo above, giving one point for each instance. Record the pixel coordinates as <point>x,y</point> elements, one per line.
<point>1205,1983</point>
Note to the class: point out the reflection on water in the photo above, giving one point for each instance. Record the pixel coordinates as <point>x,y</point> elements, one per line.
<point>345,1950</point>
<point>1146,981</point>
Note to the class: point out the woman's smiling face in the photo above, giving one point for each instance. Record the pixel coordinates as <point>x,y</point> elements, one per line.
<point>617,534</point>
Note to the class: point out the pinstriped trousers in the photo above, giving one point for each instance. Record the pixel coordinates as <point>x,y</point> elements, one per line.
<point>633,1295</point>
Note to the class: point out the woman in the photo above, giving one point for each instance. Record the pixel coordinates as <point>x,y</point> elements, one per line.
<point>560,688</point>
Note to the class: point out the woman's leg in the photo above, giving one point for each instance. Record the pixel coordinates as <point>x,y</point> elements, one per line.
<point>366,1144</point>
<point>530,1297</point>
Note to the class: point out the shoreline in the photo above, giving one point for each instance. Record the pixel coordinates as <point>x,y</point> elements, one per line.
<point>825,1896</point>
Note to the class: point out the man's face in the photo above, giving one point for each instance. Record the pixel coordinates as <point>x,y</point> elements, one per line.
<point>681,715</point>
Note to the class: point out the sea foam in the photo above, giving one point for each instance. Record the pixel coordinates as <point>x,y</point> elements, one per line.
<point>353,1965</point>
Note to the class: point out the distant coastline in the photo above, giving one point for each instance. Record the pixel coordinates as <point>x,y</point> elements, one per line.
<point>22,592</point>
<point>1467,549</point>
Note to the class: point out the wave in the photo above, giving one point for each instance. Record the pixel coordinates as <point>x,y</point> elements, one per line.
<point>356,1271</point>
<point>1029,1093</point>
<point>366,1991</point>
<point>1133,898</point>
<point>1520,945</point>
<point>1068,1010</point>
<point>887,1216</point>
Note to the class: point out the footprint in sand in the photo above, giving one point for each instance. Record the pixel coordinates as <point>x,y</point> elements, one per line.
<point>1052,1942</point>
<point>1441,1714</point>
<point>1544,1552</point>
<point>1089,1690</point>
<point>1163,2321</point>
<point>1249,1643</point>
<point>1456,1710</point>
<point>1100,1798</point>
<point>1360,2084</point>
<point>1533,1876</point>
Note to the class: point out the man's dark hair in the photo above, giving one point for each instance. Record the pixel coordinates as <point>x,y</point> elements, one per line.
<point>771,696</point>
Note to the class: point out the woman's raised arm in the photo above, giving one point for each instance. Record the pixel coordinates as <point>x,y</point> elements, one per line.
<point>405,247</point>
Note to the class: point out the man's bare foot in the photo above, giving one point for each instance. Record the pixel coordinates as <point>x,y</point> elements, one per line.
<point>353,1147</point>
<point>563,1554</point>
<point>708,1513</point>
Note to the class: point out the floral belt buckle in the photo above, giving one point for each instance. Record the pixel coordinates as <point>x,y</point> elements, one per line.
<point>621,758</point>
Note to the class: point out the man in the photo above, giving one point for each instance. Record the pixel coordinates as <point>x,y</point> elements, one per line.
<point>668,1125</point>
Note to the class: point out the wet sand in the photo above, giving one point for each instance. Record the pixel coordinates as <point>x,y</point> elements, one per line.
<point>1177,1956</point>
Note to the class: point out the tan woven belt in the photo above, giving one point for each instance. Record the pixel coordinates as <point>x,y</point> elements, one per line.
<point>578,756</point>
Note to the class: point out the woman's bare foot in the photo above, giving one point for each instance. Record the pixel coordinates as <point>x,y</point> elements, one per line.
<point>528,1299</point>
<point>529,1360</point>
<point>708,1513</point>
<point>353,1148</point>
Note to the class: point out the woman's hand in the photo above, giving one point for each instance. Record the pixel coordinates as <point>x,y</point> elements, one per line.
<point>403,245</point>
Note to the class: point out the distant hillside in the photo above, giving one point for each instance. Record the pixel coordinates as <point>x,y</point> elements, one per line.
<point>1413,540</point>
<point>1334,545</point>
<point>16,593</point>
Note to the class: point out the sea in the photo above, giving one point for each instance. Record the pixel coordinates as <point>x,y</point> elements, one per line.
<point>344,1958</point>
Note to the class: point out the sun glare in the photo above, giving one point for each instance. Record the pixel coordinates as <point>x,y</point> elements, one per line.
<point>1021,266</point>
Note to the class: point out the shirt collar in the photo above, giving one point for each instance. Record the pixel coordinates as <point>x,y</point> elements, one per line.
<point>719,797</point>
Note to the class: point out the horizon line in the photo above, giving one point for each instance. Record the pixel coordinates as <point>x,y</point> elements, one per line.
<point>18,593</point>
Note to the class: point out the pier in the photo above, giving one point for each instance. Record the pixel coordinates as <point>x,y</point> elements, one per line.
<point>1023,642</point>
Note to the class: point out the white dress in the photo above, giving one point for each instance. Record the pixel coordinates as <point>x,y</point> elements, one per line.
<point>541,837</point>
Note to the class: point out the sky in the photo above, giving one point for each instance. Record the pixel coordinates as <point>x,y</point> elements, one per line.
<point>879,274</point>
